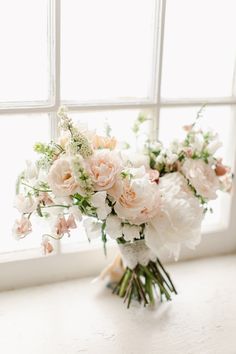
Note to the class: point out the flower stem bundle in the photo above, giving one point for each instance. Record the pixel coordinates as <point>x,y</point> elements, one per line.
<point>145,284</point>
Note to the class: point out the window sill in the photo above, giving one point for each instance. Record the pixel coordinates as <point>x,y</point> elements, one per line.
<point>77,316</point>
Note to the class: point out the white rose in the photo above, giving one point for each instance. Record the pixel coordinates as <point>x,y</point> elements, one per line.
<point>180,220</point>
<point>25,204</point>
<point>202,177</point>
<point>103,167</point>
<point>137,198</point>
<point>98,200</point>
<point>61,179</point>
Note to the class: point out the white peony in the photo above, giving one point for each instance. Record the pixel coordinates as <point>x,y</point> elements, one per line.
<point>98,200</point>
<point>25,204</point>
<point>202,177</point>
<point>61,179</point>
<point>180,219</point>
<point>137,198</point>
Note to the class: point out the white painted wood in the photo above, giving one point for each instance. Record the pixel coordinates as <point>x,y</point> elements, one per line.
<point>29,267</point>
<point>80,317</point>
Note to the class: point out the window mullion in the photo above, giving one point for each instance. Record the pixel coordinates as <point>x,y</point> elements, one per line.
<point>158,74</point>
<point>56,72</point>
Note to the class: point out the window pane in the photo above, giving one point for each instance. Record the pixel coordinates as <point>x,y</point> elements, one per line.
<point>18,134</point>
<point>107,49</point>
<point>220,120</point>
<point>24,58</point>
<point>121,123</point>
<point>199,49</point>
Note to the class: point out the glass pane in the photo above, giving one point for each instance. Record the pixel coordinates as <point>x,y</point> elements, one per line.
<point>199,49</point>
<point>18,134</point>
<point>24,56</point>
<point>219,119</point>
<point>107,49</point>
<point>121,123</point>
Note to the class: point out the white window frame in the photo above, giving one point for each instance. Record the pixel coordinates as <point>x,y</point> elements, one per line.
<point>24,268</point>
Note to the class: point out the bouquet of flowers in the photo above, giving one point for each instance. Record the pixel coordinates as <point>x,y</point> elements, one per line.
<point>152,199</point>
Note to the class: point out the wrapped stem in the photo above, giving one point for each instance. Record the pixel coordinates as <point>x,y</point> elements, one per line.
<point>142,282</point>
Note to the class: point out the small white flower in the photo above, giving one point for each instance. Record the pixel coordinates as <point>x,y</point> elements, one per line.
<point>171,158</point>
<point>214,146</point>
<point>25,204</point>
<point>93,228</point>
<point>74,210</point>
<point>31,171</point>
<point>134,159</point>
<point>198,142</point>
<point>160,159</point>
<point>131,232</point>
<point>98,200</point>
<point>113,226</point>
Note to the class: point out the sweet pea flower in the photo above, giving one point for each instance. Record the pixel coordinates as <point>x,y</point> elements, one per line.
<point>63,226</point>
<point>98,200</point>
<point>47,246</point>
<point>25,204</point>
<point>22,227</point>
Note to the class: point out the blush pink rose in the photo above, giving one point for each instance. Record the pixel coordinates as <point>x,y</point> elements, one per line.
<point>103,167</point>
<point>137,198</point>
<point>61,179</point>
<point>202,177</point>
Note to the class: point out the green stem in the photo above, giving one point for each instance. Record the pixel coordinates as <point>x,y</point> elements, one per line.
<point>167,275</point>
<point>149,289</point>
<point>125,282</point>
<point>162,288</point>
<point>36,189</point>
<point>55,205</point>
